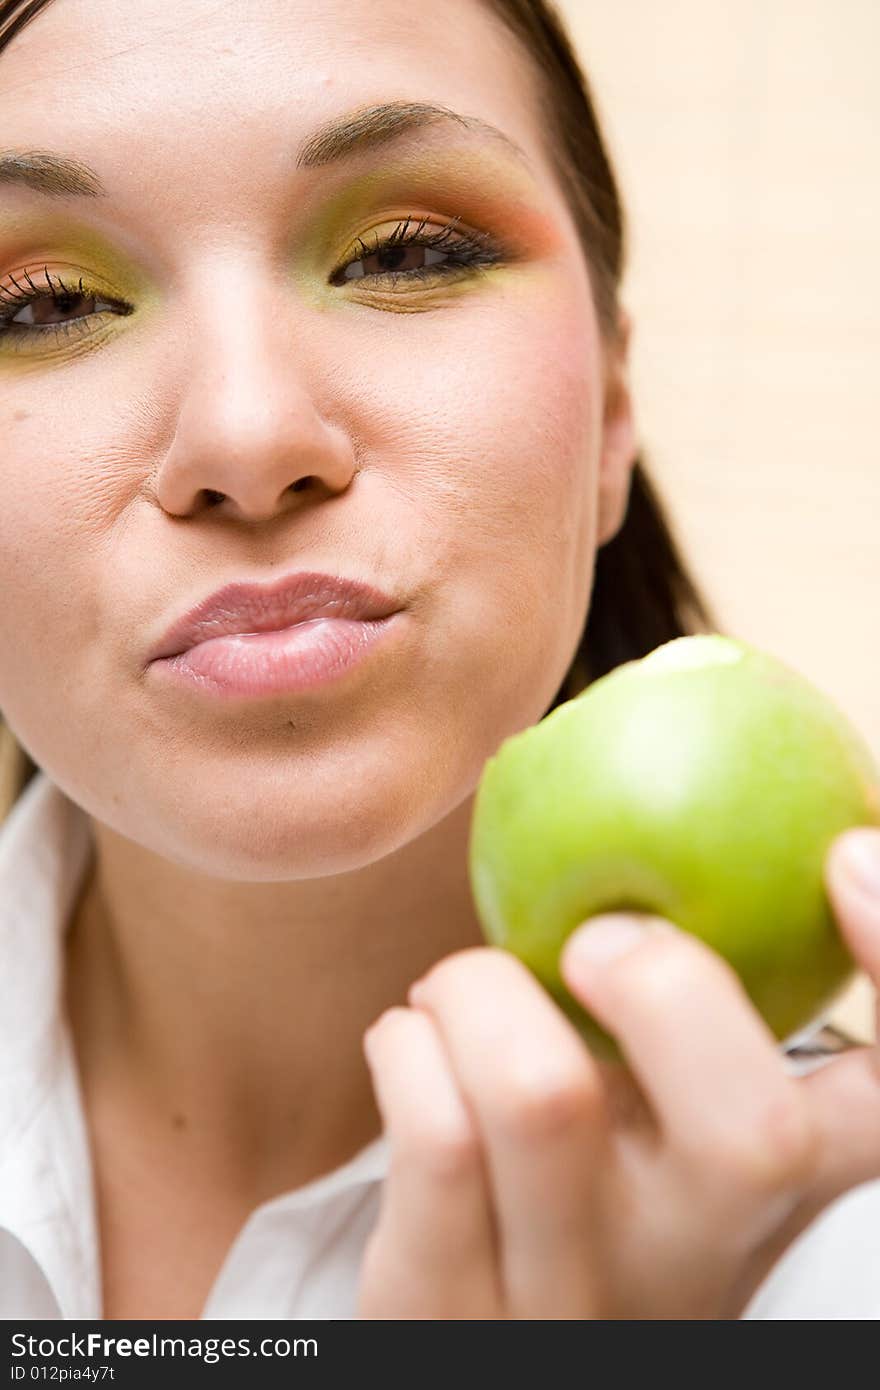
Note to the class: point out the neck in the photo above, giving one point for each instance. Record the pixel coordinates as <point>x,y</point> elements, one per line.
<point>234,1011</point>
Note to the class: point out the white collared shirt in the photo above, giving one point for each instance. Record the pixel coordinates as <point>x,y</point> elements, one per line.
<point>298,1255</point>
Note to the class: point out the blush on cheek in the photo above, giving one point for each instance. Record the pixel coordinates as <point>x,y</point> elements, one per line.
<point>506,428</point>
<point>549,433</point>
<point>542,363</point>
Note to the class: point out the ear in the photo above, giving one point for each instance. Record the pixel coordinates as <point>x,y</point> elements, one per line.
<point>619,442</point>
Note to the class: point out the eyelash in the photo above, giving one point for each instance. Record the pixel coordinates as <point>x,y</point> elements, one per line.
<point>467,250</point>
<point>12,304</point>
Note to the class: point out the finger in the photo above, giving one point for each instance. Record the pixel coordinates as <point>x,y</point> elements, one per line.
<point>846,1092</point>
<point>538,1099</point>
<point>845,1098</point>
<point>433,1252</point>
<point>707,1063</point>
<point>852,876</point>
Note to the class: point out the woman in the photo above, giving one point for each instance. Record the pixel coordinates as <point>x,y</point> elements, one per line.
<point>290,305</point>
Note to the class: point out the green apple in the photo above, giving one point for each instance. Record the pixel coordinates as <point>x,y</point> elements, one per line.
<point>703,783</point>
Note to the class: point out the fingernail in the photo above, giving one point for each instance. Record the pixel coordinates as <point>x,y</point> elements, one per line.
<point>861,854</point>
<point>603,939</point>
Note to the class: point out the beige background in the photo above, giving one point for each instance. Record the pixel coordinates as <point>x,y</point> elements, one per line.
<point>746,134</point>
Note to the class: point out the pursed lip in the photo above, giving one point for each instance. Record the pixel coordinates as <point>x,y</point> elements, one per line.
<point>252,607</point>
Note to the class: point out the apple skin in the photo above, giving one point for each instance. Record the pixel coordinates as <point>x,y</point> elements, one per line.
<point>703,783</point>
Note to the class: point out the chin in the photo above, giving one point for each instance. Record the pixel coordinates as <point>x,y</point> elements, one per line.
<point>290,832</point>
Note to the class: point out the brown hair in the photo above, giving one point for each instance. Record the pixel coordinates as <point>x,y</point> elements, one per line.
<point>643,593</point>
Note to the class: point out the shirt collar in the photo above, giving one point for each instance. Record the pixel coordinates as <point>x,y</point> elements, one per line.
<point>46,1200</point>
<point>46,1185</point>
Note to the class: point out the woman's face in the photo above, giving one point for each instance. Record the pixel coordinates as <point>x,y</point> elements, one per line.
<point>232,338</point>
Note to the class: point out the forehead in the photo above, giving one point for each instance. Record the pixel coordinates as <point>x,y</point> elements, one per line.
<point>147,78</point>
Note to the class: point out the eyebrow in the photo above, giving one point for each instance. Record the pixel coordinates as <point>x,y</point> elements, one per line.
<point>378,125</point>
<point>49,173</point>
<point>369,127</point>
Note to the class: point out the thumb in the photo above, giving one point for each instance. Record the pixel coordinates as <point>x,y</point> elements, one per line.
<point>845,1104</point>
<point>845,1093</point>
<point>852,877</point>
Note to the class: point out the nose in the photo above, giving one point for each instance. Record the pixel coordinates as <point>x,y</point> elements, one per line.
<point>249,435</point>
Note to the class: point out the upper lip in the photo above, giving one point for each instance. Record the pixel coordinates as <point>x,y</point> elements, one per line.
<point>295,598</point>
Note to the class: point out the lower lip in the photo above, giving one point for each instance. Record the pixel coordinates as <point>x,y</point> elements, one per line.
<point>303,657</point>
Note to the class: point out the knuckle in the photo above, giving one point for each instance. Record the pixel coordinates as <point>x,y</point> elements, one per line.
<point>787,1141</point>
<point>670,967</point>
<point>778,1152</point>
<point>659,973</point>
<point>538,1104</point>
<point>448,1153</point>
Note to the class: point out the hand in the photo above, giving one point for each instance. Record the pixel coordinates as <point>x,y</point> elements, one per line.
<point>529,1180</point>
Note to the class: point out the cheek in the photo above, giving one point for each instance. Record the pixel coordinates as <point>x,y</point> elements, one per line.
<point>532,412</point>
<point>495,444</point>
<point>492,412</point>
<point>61,502</point>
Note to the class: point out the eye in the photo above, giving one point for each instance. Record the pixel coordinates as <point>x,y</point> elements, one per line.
<point>49,310</point>
<point>35,312</point>
<point>412,253</point>
<point>391,258</point>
